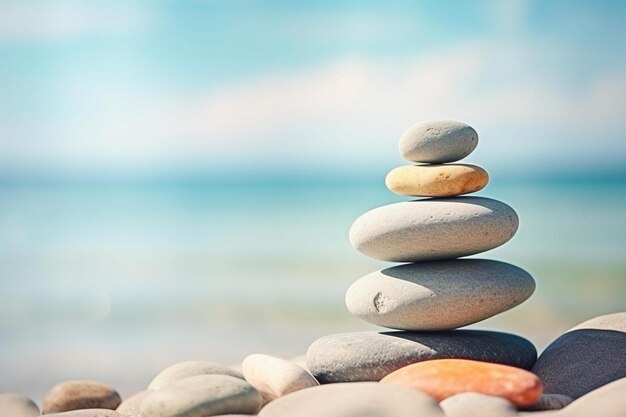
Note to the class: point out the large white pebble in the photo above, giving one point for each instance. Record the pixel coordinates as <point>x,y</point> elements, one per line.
<point>202,396</point>
<point>187,369</point>
<point>432,229</point>
<point>413,296</point>
<point>274,377</point>
<point>473,404</point>
<point>438,141</point>
<point>354,399</point>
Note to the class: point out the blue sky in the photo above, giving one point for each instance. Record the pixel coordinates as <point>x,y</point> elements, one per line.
<point>126,87</point>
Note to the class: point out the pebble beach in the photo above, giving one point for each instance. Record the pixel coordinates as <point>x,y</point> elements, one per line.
<point>418,358</point>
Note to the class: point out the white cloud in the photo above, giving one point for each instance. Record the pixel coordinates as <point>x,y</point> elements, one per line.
<point>57,19</point>
<point>352,111</point>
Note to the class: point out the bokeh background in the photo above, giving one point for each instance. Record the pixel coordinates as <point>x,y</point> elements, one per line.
<point>177,179</point>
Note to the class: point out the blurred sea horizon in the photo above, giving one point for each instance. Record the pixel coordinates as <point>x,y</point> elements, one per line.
<point>113,279</point>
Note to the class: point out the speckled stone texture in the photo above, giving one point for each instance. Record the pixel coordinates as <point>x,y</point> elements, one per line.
<point>433,229</point>
<point>438,141</point>
<point>16,405</point>
<point>361,399</point>
<point>436,180</point>
<point>586,357</point>
<point>369,356</point>
<point>186,369</point>
<point>202,395</point>
<point>413,296</point>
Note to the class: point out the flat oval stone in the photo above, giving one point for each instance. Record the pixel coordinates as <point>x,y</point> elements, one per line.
<point>447,377</point>
<point>16,405</point>
<point>436,180</point>
<point>202,395</point>
<point>438,141</point>
<point>370,356</point>
<point>130,406</point>
<point>186,369</point>
<point>78,395</point>
<point>274,377</point>
<point>413,296</point>
<point>586,357</point>
<point>433,229</point>
<point>355,399</point>
<point>472,404</point>
<point>90,412</point>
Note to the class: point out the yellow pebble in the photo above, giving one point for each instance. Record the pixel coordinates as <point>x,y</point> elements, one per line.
<point>445,180</point>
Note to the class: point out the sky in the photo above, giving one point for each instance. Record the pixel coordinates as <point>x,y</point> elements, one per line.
<point>127,88</point>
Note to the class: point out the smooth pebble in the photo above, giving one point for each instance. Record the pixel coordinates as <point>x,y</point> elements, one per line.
<point>274,377</point>
<point>447,377</point>
<point>436,180</point>
<point>130,406</point>
<point>588,356</point>
<point>413,296</point>
<point>187,369</point>
<point>433,229</point>
<point>201,396</point>
<point>16,405</point>
<point>473,404</point>
<point>438,141</point>
<point>361,399</point>
<point>369,356</point>
<point>550,402</point>
<point>78,395</point>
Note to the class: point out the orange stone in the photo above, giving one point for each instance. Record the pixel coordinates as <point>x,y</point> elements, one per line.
<point>444,378</point>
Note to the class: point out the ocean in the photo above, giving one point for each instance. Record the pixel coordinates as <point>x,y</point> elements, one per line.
<point>115,280</point>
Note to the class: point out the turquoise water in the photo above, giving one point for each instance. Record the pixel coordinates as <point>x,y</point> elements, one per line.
<point>113,281</point>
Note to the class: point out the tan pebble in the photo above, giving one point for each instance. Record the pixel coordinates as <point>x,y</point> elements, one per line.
<point>130,406</point>
<point>16,405</point>
<point>274,377</point>
<point>436,180</point>
<point>79,395</point>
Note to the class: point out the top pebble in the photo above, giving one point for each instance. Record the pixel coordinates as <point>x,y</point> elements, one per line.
<point>438,142</point>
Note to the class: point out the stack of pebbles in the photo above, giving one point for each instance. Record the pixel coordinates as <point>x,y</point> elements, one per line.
<point>433,293</point>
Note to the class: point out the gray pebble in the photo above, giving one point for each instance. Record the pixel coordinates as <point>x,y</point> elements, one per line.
<point>473,404</point>
<point>79,395</point>
<point>16,405</point>
<point>586,357</point>
<point>186,369</point>
<point>362,399</point>
<point>369,356</point>
<point>551,402</point>
<point>200,396</point>
<point>433,229</point>
<point>413,296</point>
<point>438,141</point>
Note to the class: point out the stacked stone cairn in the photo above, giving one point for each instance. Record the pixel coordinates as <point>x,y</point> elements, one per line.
<point>424,366</point>
<point>433,293</point>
